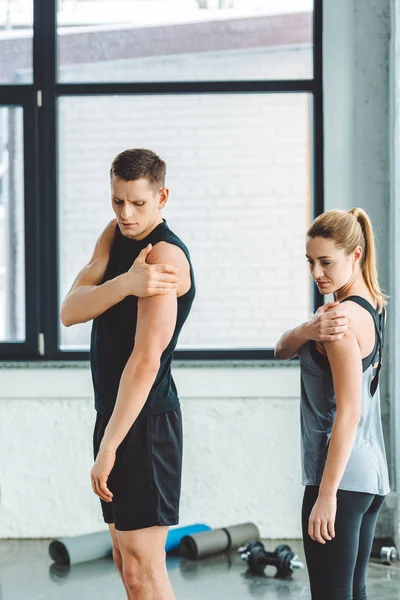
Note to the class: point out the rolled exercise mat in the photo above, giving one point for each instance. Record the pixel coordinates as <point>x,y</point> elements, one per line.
<point>212,542</point>
<point>82,548</point>
<point>175,535</point>
<point>205,543</point>
<point>241,534</point>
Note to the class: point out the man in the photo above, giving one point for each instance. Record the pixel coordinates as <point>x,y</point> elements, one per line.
<point>138,431</point>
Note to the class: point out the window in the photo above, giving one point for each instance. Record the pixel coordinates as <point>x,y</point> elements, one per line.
<point>237,169</point>
<point>16,34</point>
<point>12,230</point>
<point>183,40</point>
<point>228,92</point>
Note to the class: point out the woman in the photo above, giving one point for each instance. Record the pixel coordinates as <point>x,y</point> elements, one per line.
<point>343,455</point>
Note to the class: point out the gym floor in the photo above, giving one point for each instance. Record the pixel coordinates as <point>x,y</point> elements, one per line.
<point>26,571</point>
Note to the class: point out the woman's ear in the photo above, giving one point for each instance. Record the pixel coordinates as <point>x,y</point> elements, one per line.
<point>357,255</point>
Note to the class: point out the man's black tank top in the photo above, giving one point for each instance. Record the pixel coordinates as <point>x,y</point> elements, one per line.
<point>113,332</point>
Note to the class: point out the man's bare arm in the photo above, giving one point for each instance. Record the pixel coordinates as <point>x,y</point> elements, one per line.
<point>155,326</point>
<point>325,326</point>
<point>89,297</point>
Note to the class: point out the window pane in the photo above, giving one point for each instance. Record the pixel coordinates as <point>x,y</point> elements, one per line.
<point>16,34</point>
<point>177,40</point>
<point>12,249</point>
<point>238,174</point>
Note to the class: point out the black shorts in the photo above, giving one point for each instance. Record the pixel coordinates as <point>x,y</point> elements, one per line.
<point>146,477</point>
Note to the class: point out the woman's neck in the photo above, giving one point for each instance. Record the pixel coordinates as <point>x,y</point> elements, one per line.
<point>356,288</point>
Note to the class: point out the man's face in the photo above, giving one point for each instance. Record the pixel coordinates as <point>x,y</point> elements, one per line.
<point>137,205</point>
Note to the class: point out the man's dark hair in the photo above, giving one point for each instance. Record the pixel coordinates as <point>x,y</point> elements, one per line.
<point>139,162</point>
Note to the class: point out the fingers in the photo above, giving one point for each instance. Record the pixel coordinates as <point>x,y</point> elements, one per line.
<point>331,334</point>
<point>335,329</point>
<point>333,326</point>
<point>101,490</point>
<point>331,338</point>
<point>161,291</point>
<point>321,531</point>
<point>93,486</point>
<point>163,277</point>
<point>315,528</point>
<point>311,530</point>
<point>328,305</point>
<point>161,268</point>
<point>325,532</point>
<point>331,529</point>
<point>147,250</point>
<point>144,253</point>
<point>161,284</point>
<point>326,309</point>
<point>104,491</point>
<point>337,317</point>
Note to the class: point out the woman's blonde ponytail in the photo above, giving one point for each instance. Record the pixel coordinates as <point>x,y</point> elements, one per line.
<point>368,261</point>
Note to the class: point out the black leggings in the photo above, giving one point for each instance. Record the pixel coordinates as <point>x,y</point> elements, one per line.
<point>337,570</point>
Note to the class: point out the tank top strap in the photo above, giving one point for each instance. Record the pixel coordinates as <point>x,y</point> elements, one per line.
<point>382,322</point>
<point>379,321</point>
<point>372,311</point>
<point>368,307</point>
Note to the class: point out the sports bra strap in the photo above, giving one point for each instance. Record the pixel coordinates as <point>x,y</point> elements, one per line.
<point>367,305</point>
<point>379,320</point>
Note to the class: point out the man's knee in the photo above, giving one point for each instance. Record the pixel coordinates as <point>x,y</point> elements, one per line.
<point>140,574</point>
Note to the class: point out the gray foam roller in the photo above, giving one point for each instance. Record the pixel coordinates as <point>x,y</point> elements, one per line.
<point>81,548</point>
<point>205,543</point>
<point>242,534</point>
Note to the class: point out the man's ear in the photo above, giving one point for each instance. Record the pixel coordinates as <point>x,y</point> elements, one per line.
<point>163,198</point>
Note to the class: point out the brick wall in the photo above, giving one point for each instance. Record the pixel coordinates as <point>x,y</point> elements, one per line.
<point>238,175</point>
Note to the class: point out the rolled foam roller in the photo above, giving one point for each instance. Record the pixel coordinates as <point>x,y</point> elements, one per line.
<point>175,535</point>
<point>81,548</point>
<point>242,534</point>
<point>205,543</point>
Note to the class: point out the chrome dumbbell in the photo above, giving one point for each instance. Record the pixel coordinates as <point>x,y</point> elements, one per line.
<point>387,555</point>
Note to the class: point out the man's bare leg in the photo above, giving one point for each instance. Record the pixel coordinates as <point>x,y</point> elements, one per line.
<point>144,569</point>
<point>117,555</point>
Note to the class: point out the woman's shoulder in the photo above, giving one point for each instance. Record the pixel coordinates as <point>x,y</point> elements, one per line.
<point>359,319</point>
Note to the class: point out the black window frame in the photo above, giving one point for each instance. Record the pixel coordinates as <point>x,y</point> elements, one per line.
<point>39,101</point>
<point>14,96</point>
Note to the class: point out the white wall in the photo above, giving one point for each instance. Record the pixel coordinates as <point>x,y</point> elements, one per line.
<point>240,418</point>
<point>393,257</point>
<point>241,459</point>
<point>357,150</point>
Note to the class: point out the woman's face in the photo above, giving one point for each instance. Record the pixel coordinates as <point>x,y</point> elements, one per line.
<point>331,267</point>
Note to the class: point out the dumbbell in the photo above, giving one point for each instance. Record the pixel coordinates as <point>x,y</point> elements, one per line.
<point>283,559</point>
<point>385,554</point>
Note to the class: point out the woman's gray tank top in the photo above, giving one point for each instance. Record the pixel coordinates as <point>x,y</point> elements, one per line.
<point>366,470</point>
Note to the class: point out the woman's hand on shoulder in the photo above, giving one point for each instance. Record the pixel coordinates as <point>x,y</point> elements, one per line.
<point>328,324</point>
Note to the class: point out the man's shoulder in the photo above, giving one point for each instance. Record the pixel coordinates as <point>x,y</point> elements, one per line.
<point>108,233</point>
<point>167,252</point>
